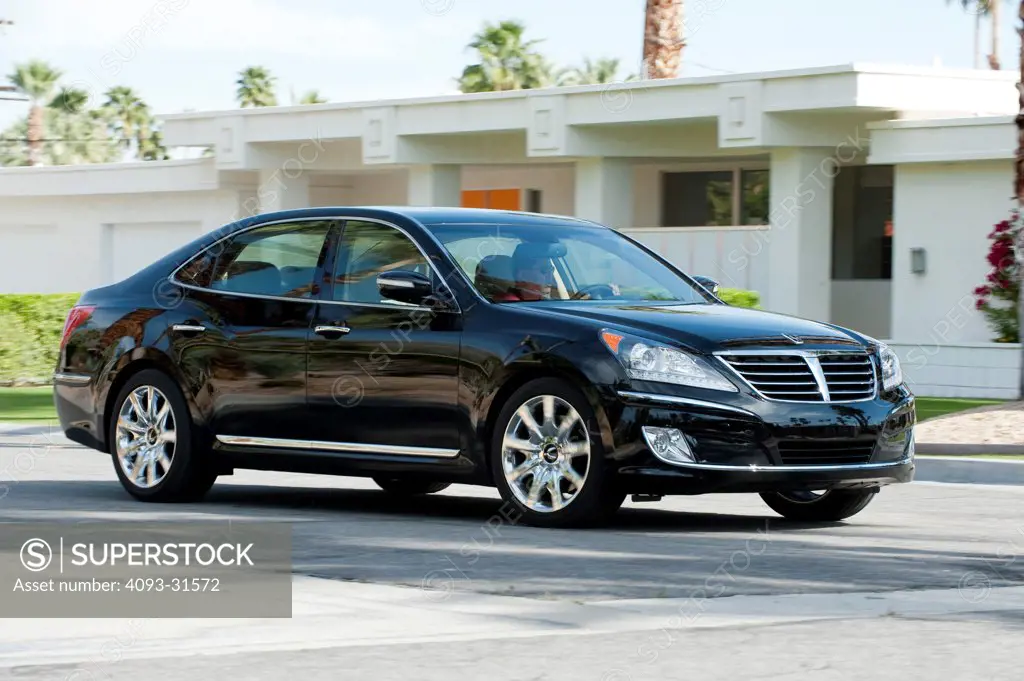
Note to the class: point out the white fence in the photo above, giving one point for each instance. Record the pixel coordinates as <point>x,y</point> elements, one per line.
<point>964,370</point>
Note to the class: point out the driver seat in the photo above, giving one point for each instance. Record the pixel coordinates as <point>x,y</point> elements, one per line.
<point>495,278</point>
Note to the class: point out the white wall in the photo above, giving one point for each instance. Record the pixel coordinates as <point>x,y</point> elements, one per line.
<point>862,305</point>
<point>962,370</point>
<point>556,183</point>
<point>73,243</point>
<point>947,209</point>
<point>135,245</point>
<point>735,256</point>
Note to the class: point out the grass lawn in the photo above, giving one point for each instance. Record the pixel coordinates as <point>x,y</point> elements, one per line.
<point>930,407</point>
<point>27,405</point>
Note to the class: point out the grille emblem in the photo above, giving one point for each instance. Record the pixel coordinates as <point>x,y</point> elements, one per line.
<point>793,339</point>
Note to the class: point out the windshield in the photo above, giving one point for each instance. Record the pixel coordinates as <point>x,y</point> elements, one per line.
<point>525,263</point>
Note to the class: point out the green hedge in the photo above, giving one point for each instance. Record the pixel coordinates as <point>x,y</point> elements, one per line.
<point>30,328</point>
<point>739,297</point>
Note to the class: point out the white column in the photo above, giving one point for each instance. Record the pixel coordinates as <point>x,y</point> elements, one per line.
<point>282,189</point>
<point>800,239</point>
<point>604,191</point>
<point>435,185</point>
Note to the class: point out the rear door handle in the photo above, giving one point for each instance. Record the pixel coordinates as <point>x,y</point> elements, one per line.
<point>328,331</point>
<point>188,328</point>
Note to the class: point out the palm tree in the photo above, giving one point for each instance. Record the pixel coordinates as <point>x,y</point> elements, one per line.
<point>255,87</point>
<point>312,97</point>
<point>36,79</point>
<point>593,72</point>
<point>663,38</point>
<point>128,113</point>
<point>980,9</point>
<point>507,62</point>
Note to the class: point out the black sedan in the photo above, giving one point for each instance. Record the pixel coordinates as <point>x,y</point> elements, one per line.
<point>553,358</point>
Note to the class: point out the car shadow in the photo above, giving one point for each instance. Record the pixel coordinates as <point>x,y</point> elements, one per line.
<point>449,543</point>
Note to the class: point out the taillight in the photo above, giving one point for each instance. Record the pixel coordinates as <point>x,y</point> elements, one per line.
<point>78,315</point>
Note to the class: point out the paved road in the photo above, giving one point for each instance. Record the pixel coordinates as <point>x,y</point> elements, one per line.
<point>517,602</point>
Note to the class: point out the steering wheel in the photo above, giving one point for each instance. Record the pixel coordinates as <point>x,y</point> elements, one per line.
<point>594,292</point>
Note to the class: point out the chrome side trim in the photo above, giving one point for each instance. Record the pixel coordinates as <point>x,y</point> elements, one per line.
<point>337,218</point>
<point>348,447</point>
<point>753,468</point>
<point>72,379</point>
<point>681,401</point>
<point>189,328</point>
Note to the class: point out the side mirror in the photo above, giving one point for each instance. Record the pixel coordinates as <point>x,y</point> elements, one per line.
<point>404,286</point>
<point>708,283</point>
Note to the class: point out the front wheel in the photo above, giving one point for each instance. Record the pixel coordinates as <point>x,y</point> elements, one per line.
<point>548,460</point>
<point>827,506</point>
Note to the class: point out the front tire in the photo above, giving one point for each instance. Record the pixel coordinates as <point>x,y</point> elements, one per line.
<point>548,460</point>
<point>403,487</point>
<point>829,506</point>
<point>152,442</point>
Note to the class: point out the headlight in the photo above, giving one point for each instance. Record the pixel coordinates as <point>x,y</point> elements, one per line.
<point>647,360</point>
<point>892,373</point>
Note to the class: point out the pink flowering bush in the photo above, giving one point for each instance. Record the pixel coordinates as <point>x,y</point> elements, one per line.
<point>997,298</point>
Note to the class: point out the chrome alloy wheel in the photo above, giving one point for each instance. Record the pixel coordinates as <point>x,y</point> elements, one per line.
<point>545,454</point>
<point>145,436</point>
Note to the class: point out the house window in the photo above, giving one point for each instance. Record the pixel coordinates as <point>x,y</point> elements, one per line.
<point>717,198</point>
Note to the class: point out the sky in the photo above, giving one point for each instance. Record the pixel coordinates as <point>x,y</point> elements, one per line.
<point>184,55</point>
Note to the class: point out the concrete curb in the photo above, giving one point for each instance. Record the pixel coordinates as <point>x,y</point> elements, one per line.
<point>944,449</point>
<point>969,471</point>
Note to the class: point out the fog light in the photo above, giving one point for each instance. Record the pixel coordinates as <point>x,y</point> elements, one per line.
<point>669,445</point>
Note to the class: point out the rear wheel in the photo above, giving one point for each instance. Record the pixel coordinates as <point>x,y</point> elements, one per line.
<point>827,506</point>
<point>152,442</point>
<point>548,459</point>
<point>409,488</point>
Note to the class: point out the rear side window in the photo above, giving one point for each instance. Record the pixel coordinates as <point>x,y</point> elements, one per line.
<point>276,260</point>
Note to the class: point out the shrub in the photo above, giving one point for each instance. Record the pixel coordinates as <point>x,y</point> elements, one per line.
<point>740,297</point>
<point>997,298</point>
<point>30,328</point>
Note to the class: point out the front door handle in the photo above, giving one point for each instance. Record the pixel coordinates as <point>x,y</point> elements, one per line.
<point>329,331</point>
<point>188,329</point>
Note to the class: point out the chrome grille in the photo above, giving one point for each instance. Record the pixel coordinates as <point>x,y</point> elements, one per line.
<point>778,377</point>
<point>848,377</point>
<point>806,376</point>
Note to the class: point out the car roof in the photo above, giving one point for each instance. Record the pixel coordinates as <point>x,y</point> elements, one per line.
<point>426,215</point>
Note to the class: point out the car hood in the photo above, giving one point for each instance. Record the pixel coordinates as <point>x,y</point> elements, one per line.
<point>710,328</point>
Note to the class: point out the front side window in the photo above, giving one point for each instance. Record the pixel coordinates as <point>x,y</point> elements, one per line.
<point>366,250</point>
<point>537,262</point>
<point>276,260</point>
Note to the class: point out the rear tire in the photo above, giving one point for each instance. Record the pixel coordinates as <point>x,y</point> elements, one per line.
<point>831,506</point>
<point>555,472</point>
<point>405,487</point>
<point>153,443</point>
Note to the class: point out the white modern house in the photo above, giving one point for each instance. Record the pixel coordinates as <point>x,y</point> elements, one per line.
<point>857,194</point>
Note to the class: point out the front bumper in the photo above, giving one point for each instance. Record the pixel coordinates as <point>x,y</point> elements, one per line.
<point>748,443</point>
